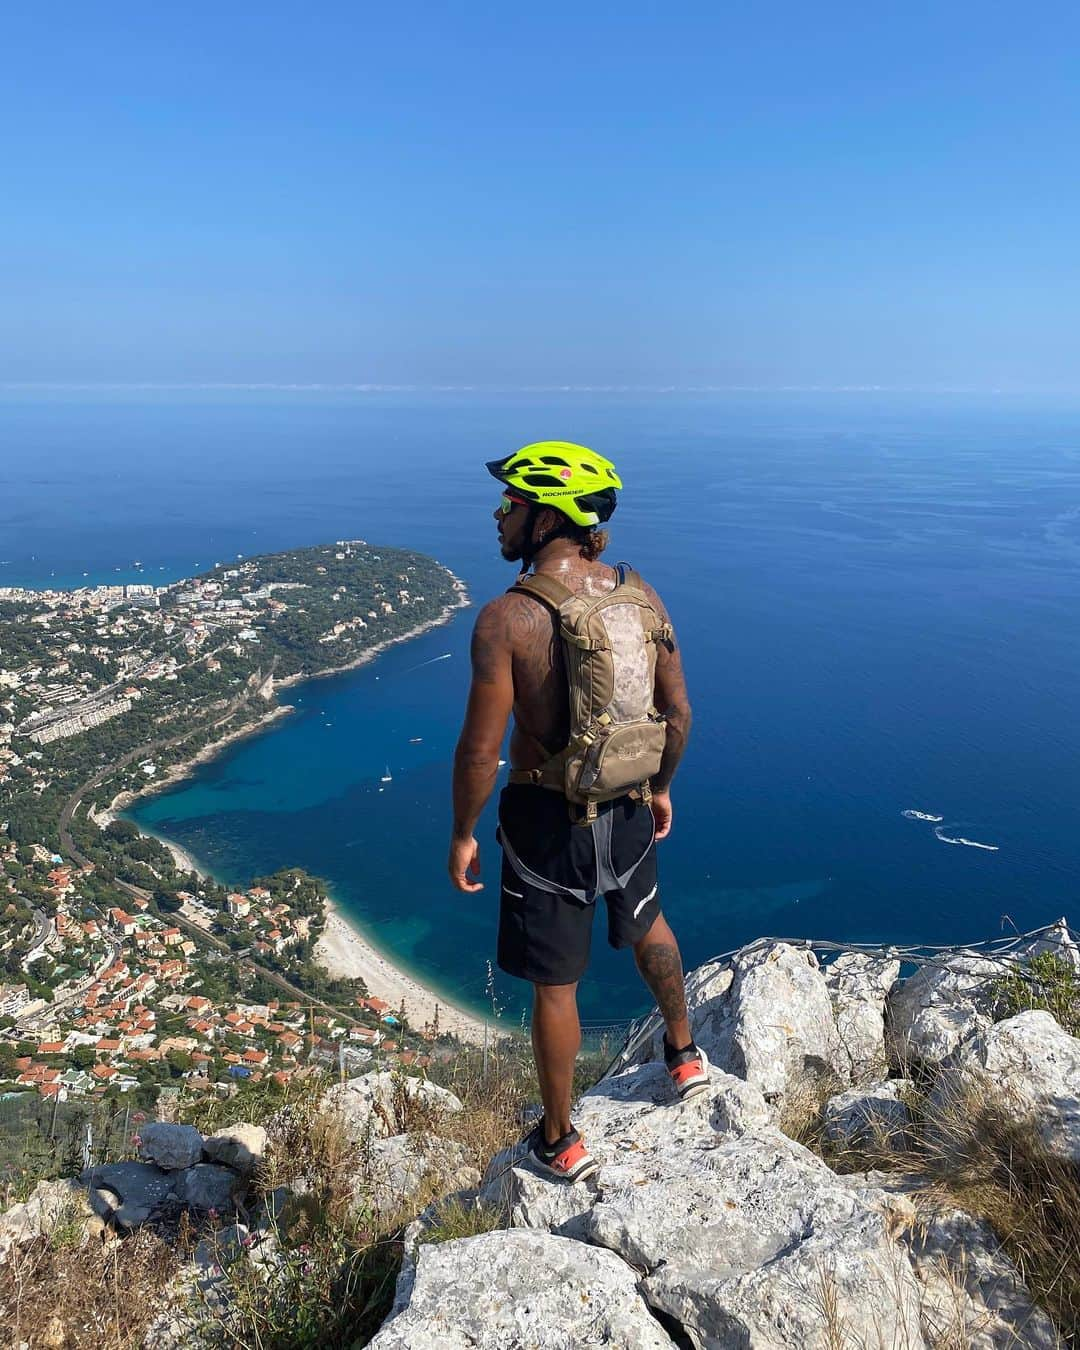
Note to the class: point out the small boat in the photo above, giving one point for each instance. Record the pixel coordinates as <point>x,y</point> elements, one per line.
<point>387,776</point>
<point>415,740</point>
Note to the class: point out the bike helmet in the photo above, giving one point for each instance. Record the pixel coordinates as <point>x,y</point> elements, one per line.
<point>569,478</point>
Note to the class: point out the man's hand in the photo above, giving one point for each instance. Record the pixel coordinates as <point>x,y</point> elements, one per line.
<point>465,863</point>
<point>660,802</point>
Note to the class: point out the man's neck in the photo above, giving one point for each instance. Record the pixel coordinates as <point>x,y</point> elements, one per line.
<point>561,555</point>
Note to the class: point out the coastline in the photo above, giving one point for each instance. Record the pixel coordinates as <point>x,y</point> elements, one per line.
<point>342,947</point>
<point>344,950</point>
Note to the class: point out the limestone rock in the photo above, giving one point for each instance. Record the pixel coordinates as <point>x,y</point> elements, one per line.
<point>876,1115</point>
<point>940,1007</point>
<point>504,1291</point>
<point>782,1027</point>
<point>635,1111</point>
<point>972,1294</point>
<point>141,1189</point>
<point>48,1204</point>
<point>1059,942</point>
<point>375,1104</point>
<point>858,986</point>
<point>240,1147</point>
<point>707,990</point>
<point>1033,1066</point>
<point>767,1017</point>
<point>394,1169</point>
<point>172,1147</point>
<point>207,1186</point>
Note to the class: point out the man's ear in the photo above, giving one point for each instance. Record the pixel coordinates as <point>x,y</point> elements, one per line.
<point>547,523</point>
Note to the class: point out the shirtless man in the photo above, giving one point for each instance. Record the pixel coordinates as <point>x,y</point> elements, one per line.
<point>555,497</point>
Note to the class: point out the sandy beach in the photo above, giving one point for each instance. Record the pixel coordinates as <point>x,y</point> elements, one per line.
<point>344,951</point>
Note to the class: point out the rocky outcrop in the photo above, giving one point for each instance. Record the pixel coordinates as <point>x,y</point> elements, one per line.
<point>504,1290</point>
<point>741,1237</point>
<point>858,986</point>
<point>729,1222</point>
<point>870,1117</point>
<point>1031,1067</point>
<point>971,1294</point>
<point>376,1105</point>
<point>766,1017</point>
<point>939,1008</point>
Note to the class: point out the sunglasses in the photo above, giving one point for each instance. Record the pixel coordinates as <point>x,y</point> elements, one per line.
<point>507,504</point>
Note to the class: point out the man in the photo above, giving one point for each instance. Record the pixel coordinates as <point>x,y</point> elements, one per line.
<point>555,859</point>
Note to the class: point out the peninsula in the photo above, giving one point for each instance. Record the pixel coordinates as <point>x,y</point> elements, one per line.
<point>121,969</point>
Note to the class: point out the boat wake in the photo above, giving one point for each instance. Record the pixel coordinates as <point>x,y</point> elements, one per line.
<point>921,815</point>
<point>445,657</point>
<point>959,839</point>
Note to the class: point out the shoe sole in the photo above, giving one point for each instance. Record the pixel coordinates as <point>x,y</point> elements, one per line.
<point>697,1085</point>
<point>587,1167</point>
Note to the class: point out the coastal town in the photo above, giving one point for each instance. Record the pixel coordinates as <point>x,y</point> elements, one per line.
<point>125,975</point>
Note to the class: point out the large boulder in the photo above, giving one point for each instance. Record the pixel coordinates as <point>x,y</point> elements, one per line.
<point>394,1170</point>
<point>48,1205</point>
<point>858,986</point>
<point>170,1146</point>
<point>634,1111</point>
<point>207,1186</point>
<point>240,1147</point>
<point>870,1117</point>
<point>940,1007</point>
<point>971,1293</point>
<point>752,1240</point>
<point>130,1193</point>
<point>1031,1066</point>
<point>743,1236</point>
<point>766,1017</point>
<point>379,1104</point>
<point>1056,940</point>
<point>782,1027</point>
<point>507,1290</point>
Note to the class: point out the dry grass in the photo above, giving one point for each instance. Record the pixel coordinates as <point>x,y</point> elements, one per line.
<point>980,1153</point>
<point>87,1295</point>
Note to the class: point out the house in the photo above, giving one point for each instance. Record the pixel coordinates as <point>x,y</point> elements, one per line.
<point>122,921</point>
<point>238,905</point>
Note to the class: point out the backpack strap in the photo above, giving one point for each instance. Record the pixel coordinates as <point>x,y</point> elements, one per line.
<point>543,588</point>
<point>555,595</point>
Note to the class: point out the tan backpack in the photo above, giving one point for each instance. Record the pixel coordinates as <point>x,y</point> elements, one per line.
<point>609,646</point>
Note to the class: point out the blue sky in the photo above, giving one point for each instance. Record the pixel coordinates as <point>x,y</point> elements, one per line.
<point>498,195</point>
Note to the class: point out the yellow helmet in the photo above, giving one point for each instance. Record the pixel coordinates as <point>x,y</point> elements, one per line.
<point>569,478</point>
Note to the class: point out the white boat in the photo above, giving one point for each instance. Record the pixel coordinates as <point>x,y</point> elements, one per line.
<point>387,777</point>
<point>415,740</point>
<point>922,815</point>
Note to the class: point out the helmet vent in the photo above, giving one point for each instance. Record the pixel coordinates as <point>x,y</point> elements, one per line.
<point>554,459</point>
<point>541,480</point>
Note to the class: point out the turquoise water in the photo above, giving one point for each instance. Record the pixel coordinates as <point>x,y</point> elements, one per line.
<point>876,597</point>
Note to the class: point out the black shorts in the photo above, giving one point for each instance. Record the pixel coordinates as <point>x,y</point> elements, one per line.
<point>553,871</point>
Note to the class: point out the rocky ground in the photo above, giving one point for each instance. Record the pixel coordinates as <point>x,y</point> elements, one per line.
<point>707,1225</point>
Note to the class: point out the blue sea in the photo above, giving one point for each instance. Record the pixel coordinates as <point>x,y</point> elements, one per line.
<point>876,596</point>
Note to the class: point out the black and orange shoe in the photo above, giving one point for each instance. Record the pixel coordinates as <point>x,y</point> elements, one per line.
<point>688,1068</point>
<point>567,1158</point>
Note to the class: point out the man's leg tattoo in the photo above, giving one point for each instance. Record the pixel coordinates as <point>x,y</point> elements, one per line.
<point>661,968</point>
